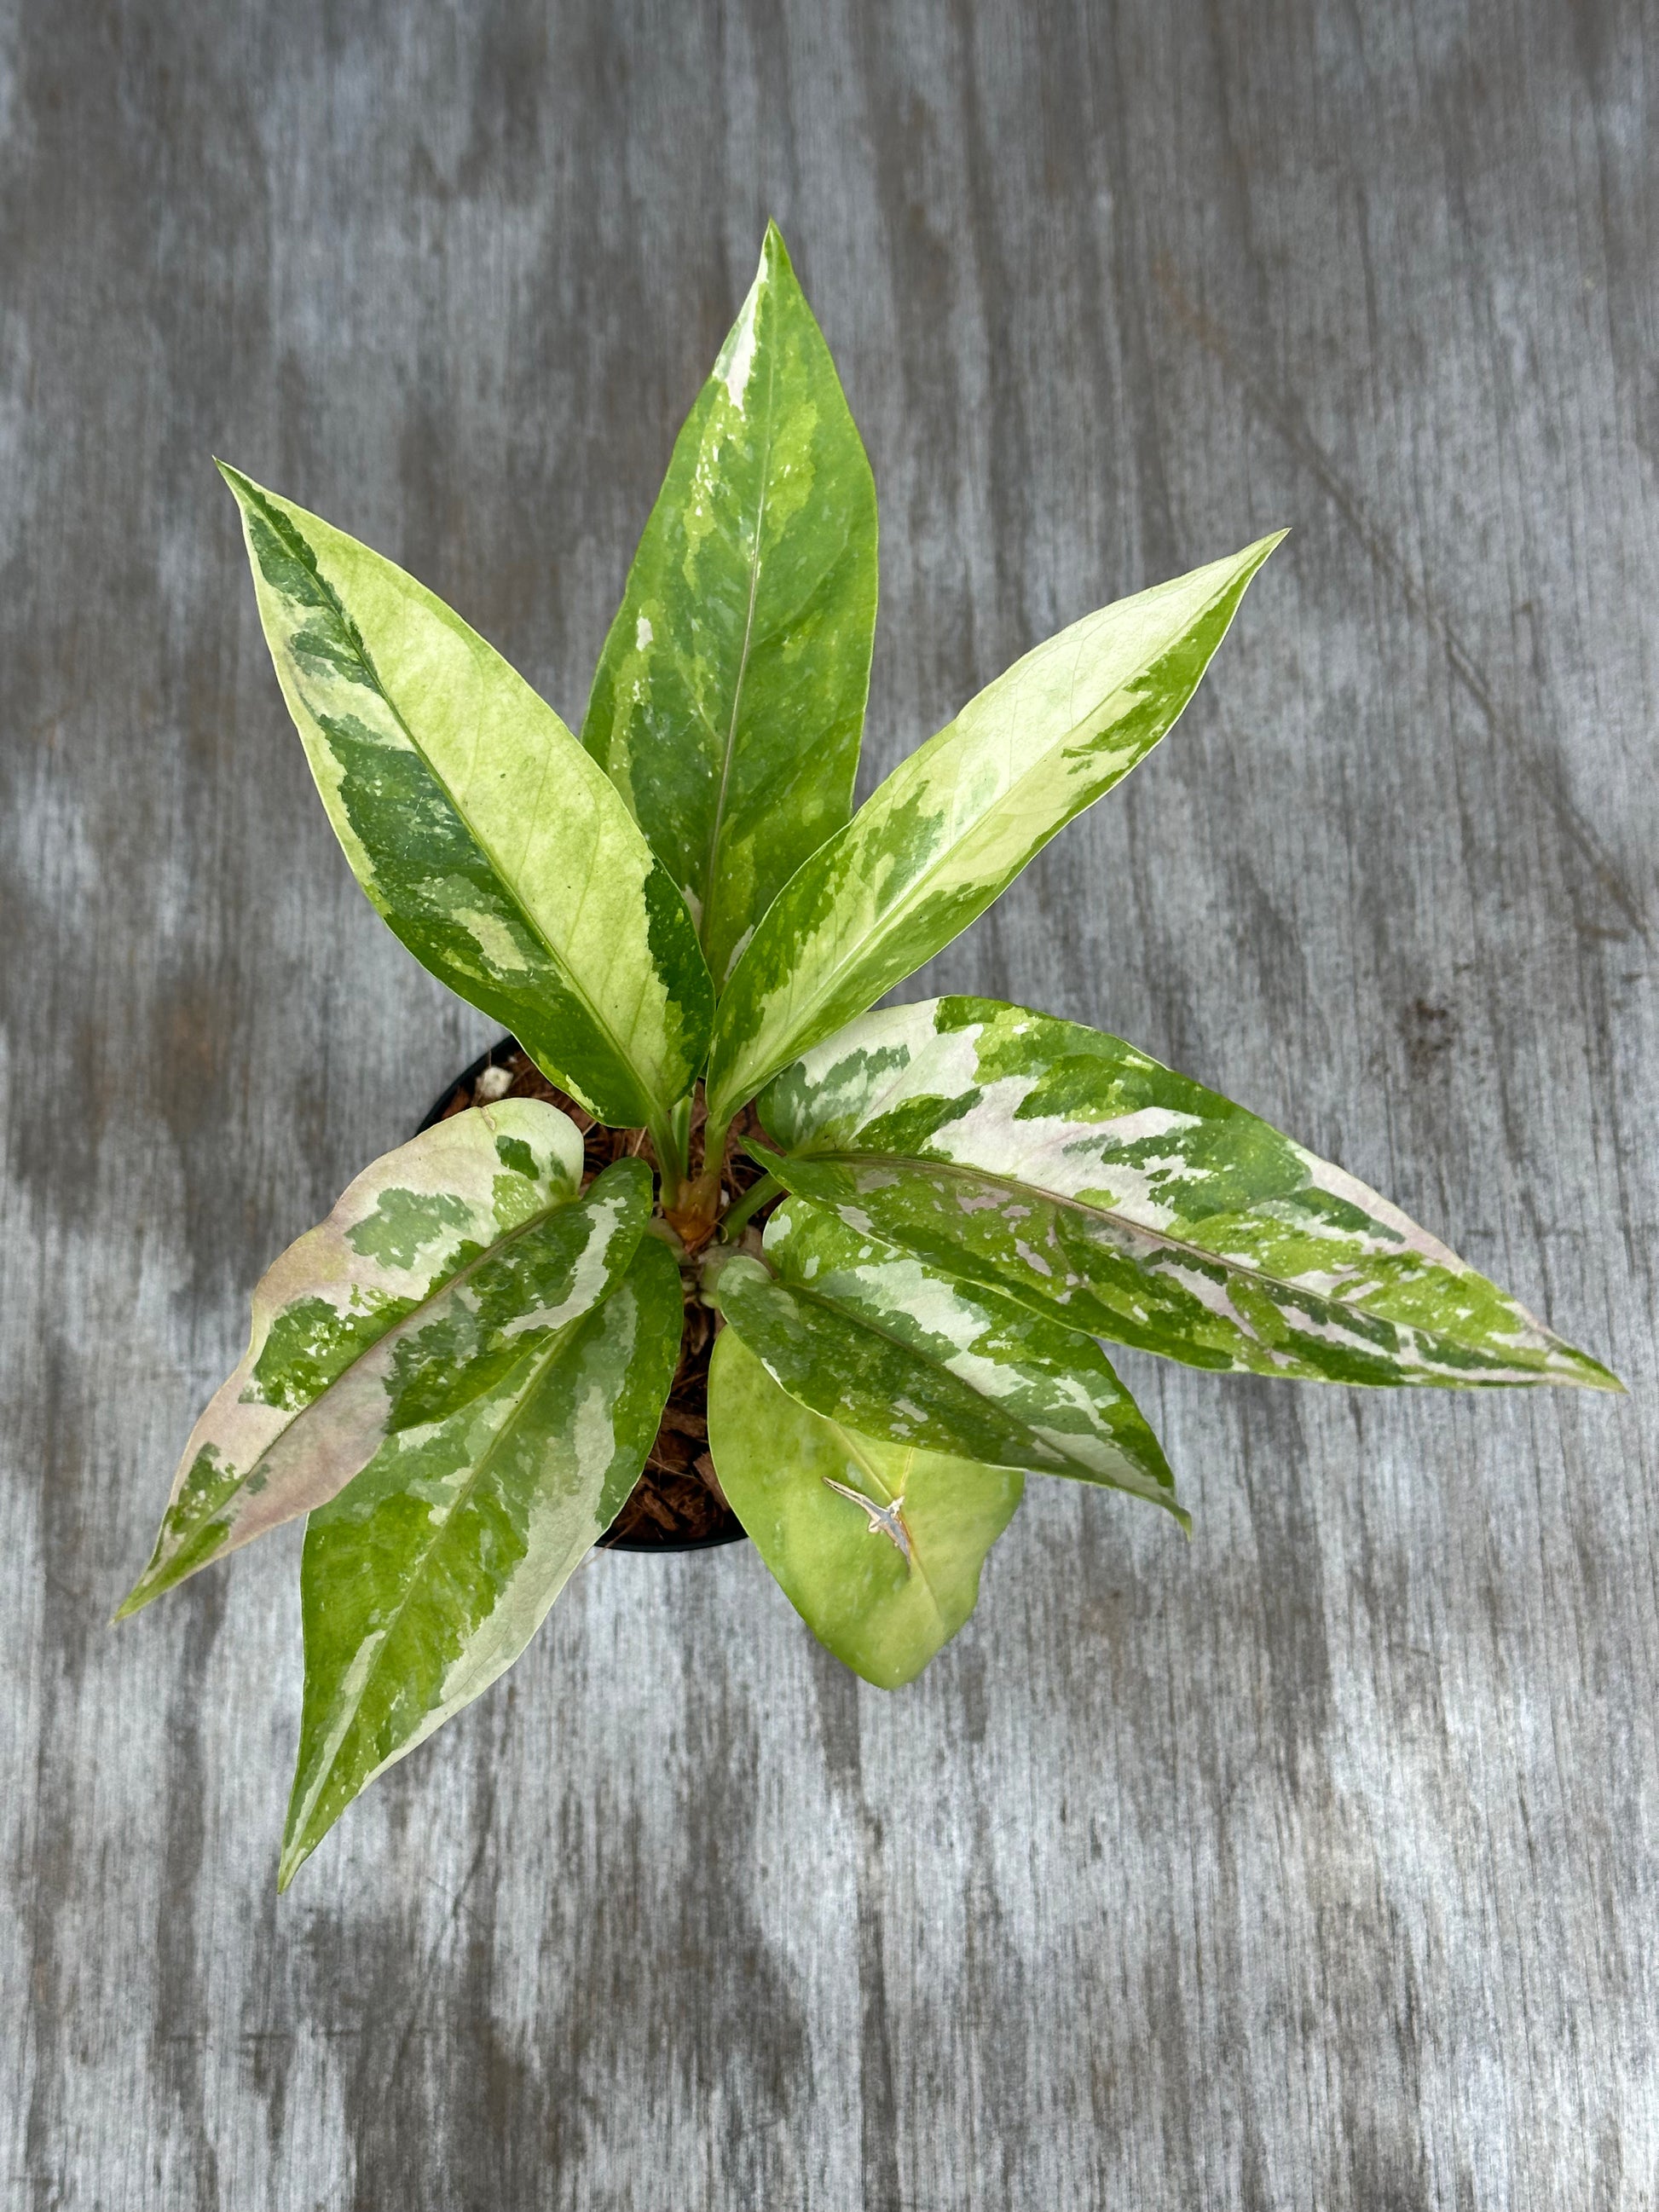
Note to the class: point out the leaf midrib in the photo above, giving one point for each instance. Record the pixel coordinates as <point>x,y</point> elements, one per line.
<point>710,879</point>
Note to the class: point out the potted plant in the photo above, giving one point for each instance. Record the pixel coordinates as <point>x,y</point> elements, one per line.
<point>900,1236</point>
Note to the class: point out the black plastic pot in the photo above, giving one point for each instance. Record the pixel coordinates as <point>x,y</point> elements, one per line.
<point>464,1081</point>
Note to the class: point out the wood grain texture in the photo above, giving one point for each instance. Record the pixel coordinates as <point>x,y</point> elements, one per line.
<point>1315,1864</point>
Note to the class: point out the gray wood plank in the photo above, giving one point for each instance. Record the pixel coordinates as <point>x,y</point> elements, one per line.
<point>1313,1863</point>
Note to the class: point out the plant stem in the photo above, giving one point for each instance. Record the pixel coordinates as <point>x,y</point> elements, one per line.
<point>694,1201</point>
<point>714,1147</point>
<point>668,1142</point>
<point>752,1200</point>
<point>680,1122</point>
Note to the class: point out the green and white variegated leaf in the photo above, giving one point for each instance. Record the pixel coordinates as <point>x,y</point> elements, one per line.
<point>1077,1175</point>
<point>497,850</point>
<point>729,699</point>
<point>426,1577</point>
<point>873,1338</point>
<point>952,828</point>
<point>441,1264</point>
<point>883,1603</point>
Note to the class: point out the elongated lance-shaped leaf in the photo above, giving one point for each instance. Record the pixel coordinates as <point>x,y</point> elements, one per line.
<point>441,1264</point>
<point>1073,1173</point>
<point>874,1339</point>
<point>883,1603</point>
<point>729,699</point>
<point>954,824</point>
<point>500,854</point>
<point>427,1576</point>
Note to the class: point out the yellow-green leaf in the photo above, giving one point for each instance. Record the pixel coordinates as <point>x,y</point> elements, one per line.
<point>885,1583</point>
<point>426,1577</point>
<point>729,699</point>
<point>486,837</point>
<point>954,824</point>
<point>871,1337</point>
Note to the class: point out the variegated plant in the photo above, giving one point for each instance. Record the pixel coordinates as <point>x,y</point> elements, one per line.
<point>459,1374</point>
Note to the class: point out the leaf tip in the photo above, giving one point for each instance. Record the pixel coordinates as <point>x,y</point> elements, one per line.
<point>1253,556</point>
<point>152,1583</point>
<point>294,1853</point>
<point>1592,1376</point>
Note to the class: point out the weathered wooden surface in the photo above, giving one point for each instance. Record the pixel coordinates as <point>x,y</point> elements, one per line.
<point>1311,1864</point>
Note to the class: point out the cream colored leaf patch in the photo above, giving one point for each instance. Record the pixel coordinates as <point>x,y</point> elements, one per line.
<point>442,1264</point>
<point>1062,1167</point>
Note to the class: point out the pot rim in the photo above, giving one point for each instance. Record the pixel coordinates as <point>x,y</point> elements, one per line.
<point>469,1075</point>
